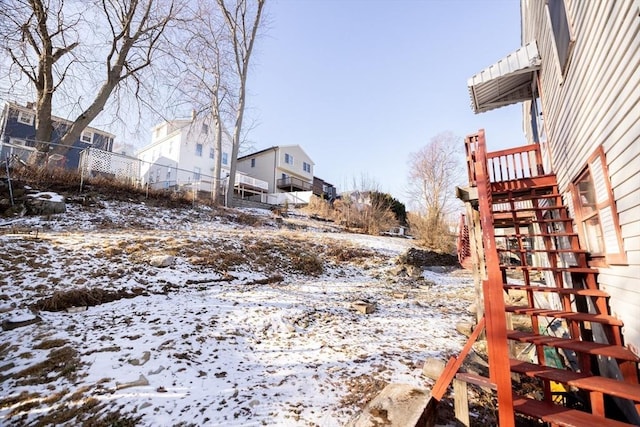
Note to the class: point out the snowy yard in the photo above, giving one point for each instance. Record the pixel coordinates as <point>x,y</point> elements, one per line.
<point>251,324</point>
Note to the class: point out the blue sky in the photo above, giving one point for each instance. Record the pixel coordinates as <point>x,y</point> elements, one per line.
<point>361,84</point>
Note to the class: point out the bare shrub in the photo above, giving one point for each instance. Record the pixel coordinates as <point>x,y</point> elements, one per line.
<point>348,253</point>
<point>432,233</point>
<point>320,208</point>
<point>307,263</point>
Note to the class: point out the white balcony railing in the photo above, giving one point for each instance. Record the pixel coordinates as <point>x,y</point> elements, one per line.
<point>253,182</point>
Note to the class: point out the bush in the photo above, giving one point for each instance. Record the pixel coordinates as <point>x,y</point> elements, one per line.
<point>432,234</point>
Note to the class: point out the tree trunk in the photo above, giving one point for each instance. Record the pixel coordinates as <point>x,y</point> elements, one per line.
<point>217,165</point>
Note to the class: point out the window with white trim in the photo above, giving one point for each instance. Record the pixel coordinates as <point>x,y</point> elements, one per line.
<point>253,163</point>
<point>225,158</point>
<point>306,167</point>
<point>596,214</point>
<point>26,118</point>
<point>288,159</point>
<point>196,173</point>
<point>212,153</point>
<point>86,136</point>
<point>199,150</point>
<point>562,32</point>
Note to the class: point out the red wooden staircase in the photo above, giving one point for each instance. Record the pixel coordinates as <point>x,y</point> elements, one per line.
<point>565,335</point>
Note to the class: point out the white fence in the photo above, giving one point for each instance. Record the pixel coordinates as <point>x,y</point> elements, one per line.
<point>99,163</point>
<point>95,163</point>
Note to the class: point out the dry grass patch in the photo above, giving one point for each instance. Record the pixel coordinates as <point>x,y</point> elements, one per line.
<point>63,361</point>
<point>343,253</point>
<point>80,297</point>
<point>49,344</point>
<point>361,389</point>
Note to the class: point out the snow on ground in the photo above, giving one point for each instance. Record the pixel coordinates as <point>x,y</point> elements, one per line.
<point>251,325</point>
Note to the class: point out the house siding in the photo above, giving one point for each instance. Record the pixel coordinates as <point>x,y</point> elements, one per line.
<point>295,170</point>
<point>12,128</point>
<point>264,169</point>
<point>173,145</point>
<point>270,165</point>
<point>597,103</point>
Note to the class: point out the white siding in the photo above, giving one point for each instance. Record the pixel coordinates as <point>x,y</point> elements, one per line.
<point>296,169</point>
<point>597,103</point>
<point>264,169</point>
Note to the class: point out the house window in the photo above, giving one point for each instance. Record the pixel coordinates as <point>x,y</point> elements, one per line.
<point>196,173</point>
<point>306,166</point>
<point>253,163</point>
<point>86,136</point>
<point>168,174</point>
<point>596,214</point>
<point>562,34</point>
<point>212,153</point>
<point>199,150</point>
<point>288,159</point>
<point>205,128</point>
<point>26,118</point>
<point>225,158</point>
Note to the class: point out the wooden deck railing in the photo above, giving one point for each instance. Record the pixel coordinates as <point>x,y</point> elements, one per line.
<point>504,165</point>
<point>515,163</point>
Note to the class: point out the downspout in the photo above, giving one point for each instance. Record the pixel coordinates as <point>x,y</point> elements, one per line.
<point>544,122</point>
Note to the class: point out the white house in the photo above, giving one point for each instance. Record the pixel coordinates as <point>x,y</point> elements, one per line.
<point>182,153</point>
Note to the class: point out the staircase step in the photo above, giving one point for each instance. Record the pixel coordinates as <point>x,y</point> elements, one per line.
<point>587,347</point>
<point>524,185</point>
<point>560,415</point>
<point>569,315</point>
<point>530,209</point>
<point>551,251</point>
<point>561,291</point>
<point>529,220</point>
<point>526,197</point>
<point>599,384</point>
<point>527,235</point>
<point>584,270</point>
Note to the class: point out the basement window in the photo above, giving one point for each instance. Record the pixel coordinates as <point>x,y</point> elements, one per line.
<point>596,213</point>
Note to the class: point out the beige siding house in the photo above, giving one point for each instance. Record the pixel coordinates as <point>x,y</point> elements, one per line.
<point>589,97</point>
<point>286,168</point>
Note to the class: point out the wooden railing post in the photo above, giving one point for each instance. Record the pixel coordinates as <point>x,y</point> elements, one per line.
<point>496,325</point>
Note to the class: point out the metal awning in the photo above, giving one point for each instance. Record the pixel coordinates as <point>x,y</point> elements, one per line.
<point>506,82</point>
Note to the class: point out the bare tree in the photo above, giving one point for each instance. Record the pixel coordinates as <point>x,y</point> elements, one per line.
<point>50,30</point>
<point>433,172</point>
<point>203,69</point>
<point>242,22</point>
<point>37,35</point>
